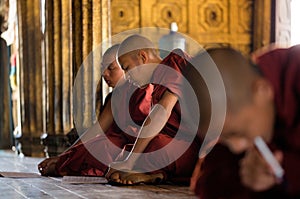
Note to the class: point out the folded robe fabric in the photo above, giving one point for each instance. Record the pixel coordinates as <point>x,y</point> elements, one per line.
<point>91,158</point>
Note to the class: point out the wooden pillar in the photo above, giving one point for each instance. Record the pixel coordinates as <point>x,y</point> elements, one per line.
<point>261,23</point>
<point>97,52</point>
<point>67,72</point>
<point>95,15</point>
<point>87,46</point>
<point>59,72</point>
<point>5,112</point>
<point>76,35</point>
<point>88,75</point>
<point>49,56</point>
<point>272,23</point>
<point>73,29</point>
<point>53,51</point>
<point>31,83</point>
<point>77,56</point>
<point>107,33</point>
<point>57,26</point>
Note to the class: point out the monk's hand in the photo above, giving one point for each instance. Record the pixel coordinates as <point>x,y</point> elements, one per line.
<point>116,167</point>
<point>255,172</point>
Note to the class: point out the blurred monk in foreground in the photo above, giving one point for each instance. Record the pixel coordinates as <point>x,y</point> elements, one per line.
<point>263,99</point>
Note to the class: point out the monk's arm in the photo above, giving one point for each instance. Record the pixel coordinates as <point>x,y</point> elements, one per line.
<point>152,125</point>
<point>47,166</point>
<point>105,120</point>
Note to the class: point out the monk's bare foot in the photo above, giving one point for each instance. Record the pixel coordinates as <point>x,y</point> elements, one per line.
<point>129,178</point>
<point>47,167</point>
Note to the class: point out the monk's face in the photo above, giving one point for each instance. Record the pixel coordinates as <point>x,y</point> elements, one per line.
<point>254,119</point>
<point>237,133</point>
<point>112,74</point>
<point>137,69</point>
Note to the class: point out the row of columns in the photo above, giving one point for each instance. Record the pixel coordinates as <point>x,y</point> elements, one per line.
<point>52,47</point>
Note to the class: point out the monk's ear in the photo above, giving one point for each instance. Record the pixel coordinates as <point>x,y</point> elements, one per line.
<point>262,91</point>
<point>144,56</point>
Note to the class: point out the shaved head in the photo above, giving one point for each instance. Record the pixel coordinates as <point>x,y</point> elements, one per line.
<point>238,74</point>
<point>134,43</point>
<point>109,56</point>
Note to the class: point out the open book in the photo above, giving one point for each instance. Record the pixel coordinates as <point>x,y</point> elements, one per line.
<point>84,180</point>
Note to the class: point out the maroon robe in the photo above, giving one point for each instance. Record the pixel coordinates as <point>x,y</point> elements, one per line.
<point>220,177</point>
<point>83,159</point>
<point>182,167</point>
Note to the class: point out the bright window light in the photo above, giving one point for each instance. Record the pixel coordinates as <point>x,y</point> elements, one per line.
<point>295,25</point>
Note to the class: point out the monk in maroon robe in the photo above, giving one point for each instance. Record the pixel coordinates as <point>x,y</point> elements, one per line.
<point>94,151</point>
<point>263,100</point>
<point>92,157</point>
<point>166,146</point>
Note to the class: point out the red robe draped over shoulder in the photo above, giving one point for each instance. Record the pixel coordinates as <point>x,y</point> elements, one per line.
<point>220,169</point>
<point>181,167</point>
<point>282,68</point>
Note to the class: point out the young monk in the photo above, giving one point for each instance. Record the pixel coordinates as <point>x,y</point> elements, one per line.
<point>263,100</point>
<point>165,147</point>
<point>94,151</point>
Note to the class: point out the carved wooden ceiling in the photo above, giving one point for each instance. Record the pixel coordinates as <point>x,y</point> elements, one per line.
<point>209,22</point>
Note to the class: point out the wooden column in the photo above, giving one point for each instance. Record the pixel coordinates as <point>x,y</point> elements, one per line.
<point>57,26</point>
<point>53,48</point>
<point>97,52</point>
<point>5,112</point>
<point>49,56</point>
<point>272,23</point>
<point>95,28</point>
<point>31,83</point>
<point>87,46</point>
<point>77,56</point>
<point>107,34</point>
<point>59,71</point>
<point>87,74</point>
<point>73,29</point>
<point>261,23</point>
<point>67,72</point>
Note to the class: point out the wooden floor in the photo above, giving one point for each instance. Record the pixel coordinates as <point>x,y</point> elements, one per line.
<point>49,187</point>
